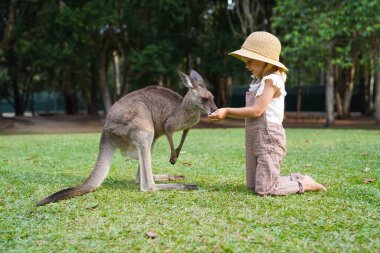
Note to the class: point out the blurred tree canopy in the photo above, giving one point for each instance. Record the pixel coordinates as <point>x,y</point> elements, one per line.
<point>339,39</point>
<point>109,48</point>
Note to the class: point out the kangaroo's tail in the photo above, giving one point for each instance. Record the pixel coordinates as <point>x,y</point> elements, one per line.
<point>67,193</point>
<point>98,174</point>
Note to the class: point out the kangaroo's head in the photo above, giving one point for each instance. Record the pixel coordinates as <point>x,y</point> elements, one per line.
<point>198,96</point>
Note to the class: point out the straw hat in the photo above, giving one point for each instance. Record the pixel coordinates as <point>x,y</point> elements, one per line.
<point>261,46</point>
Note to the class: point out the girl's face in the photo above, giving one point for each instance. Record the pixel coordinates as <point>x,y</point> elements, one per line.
<point>254,66</point>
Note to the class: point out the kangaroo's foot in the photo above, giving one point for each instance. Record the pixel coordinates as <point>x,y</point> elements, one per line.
<point>149,189</point>
<point>167,177</point>
<point>176,187</point>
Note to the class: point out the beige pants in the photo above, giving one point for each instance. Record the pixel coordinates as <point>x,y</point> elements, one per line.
<point>265,150</point>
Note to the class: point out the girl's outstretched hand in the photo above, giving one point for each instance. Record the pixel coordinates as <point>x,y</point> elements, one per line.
<point>219,114</point>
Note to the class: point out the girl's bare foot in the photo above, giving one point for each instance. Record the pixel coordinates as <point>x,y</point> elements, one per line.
<point>310,185</point>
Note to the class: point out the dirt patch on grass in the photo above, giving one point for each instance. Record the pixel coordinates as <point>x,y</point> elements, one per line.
<point>51,124</point>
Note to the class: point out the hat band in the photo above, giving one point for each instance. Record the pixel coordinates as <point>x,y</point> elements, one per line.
<point>275,59</point>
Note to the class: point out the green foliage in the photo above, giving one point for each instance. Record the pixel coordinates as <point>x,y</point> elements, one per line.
<point>155,59</point>
<point>156,38</point>
<point>308,29</point>
<point>222,216</point>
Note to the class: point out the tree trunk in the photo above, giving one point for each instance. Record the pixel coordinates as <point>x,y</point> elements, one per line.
<point>364,81</point>
<point>103,83</point>
<point>32,108</point>
<point>371,84</point>
<point>338,101</point>
<point>68,92</point>
<point>330,89</point>
<point>189,62</point>
<point>247,11</point>
<point>161,80</point>
<point>116,73</point>
<point>4,44</point>
<point>377,97</point>
<point>222,92</point>
<point>338,78</point>
<point>92,105</point>
<point>375,66</point>
<point>101,46</point>
<point>126,72</point>
<point>322,77</point>
<point>299,93</point>
<point>349,87</point>
<point>126,77</point>
<point>87,77</point>
<point>18,101</point>
<point>11,59</point>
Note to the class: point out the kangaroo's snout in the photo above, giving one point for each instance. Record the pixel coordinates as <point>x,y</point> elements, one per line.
<point>212,108</point>
<point>206,104</point>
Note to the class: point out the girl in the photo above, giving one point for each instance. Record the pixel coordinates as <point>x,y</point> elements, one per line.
<point>264,112</point>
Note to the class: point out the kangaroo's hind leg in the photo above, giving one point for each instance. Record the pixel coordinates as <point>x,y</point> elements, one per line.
<point>138,166</point>
<point>158,177</point>
<point>145,163</point>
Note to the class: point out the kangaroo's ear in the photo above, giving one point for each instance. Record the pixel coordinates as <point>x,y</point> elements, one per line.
<point>185,80</point>
<point>195,76</point>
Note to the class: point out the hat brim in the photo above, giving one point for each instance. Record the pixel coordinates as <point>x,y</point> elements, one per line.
<point>243,53</point>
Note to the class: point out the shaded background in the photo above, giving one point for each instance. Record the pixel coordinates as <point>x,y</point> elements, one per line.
<point>79,56</point>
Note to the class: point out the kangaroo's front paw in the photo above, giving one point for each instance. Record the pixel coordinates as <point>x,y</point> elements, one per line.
<point>173,159</point>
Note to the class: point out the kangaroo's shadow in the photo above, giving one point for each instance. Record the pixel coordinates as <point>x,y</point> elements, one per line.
<point>131,185</point>
<point>127,183</point>
<point>121,184</point>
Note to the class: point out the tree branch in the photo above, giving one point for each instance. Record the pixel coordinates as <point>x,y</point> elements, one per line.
<point>4,45</point>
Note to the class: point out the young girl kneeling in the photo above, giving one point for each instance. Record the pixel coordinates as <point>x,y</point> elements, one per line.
<point>264,113</point>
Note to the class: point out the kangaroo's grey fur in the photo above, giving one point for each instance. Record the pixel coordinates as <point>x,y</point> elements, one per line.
<point>135,122</point>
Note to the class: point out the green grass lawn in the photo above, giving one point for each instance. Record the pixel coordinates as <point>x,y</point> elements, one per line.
<point>222,216</point>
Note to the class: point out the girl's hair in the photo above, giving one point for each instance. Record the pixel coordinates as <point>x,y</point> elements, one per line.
<point>269,69</point>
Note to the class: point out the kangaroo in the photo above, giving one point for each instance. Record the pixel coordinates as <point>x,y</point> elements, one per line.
<point>134,123</point>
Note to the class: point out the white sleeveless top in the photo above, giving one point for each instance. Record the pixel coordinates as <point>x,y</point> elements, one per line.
<point>275,110</point>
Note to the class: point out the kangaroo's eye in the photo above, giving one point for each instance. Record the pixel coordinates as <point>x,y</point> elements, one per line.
<point>204,100</point>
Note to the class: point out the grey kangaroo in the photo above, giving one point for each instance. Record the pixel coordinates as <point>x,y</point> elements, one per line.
<point>135,122</point>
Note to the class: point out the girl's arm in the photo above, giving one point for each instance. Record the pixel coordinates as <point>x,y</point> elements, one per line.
<point>254,111</point>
